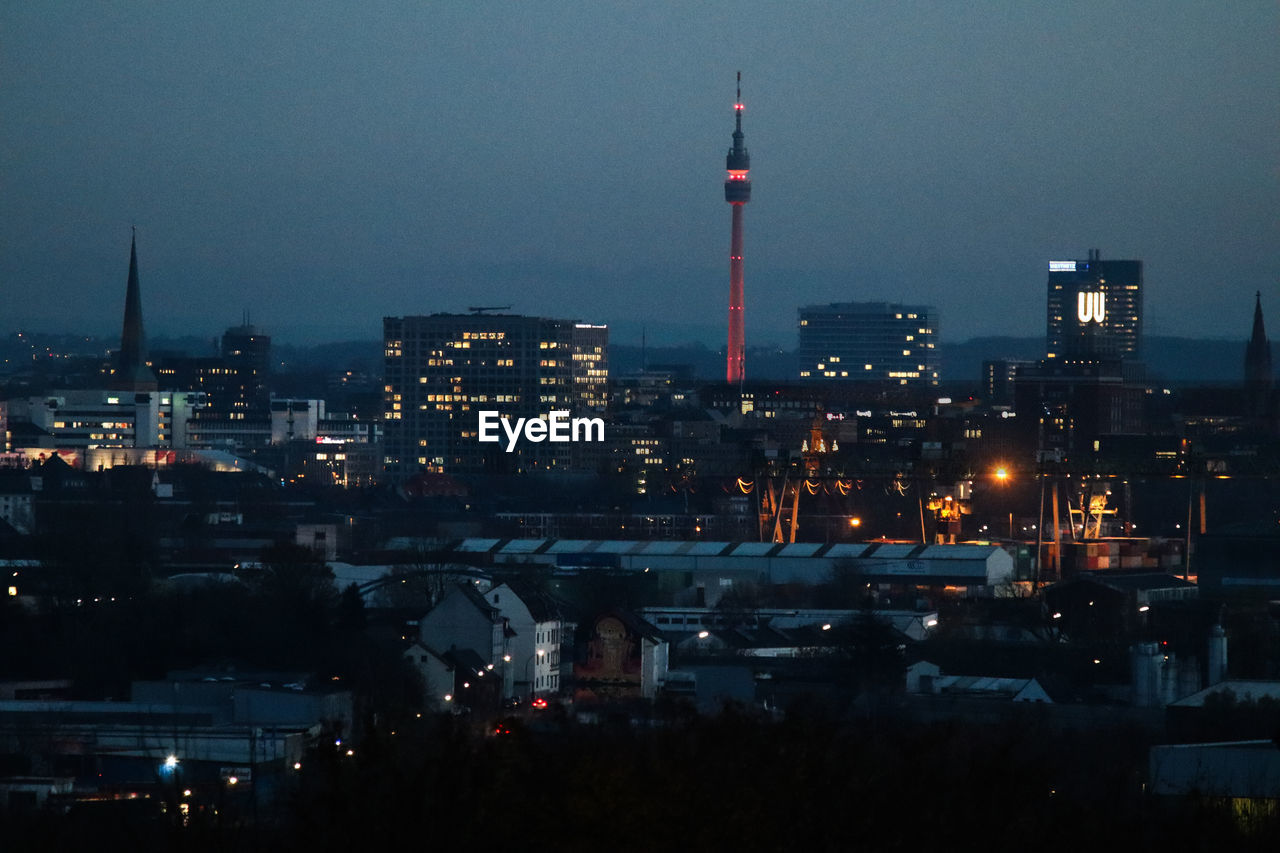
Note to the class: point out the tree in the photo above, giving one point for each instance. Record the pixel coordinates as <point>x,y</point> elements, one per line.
<point>421,580</point>
<point>351,615</point>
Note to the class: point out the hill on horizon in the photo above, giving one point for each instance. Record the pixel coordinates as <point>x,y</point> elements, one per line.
<point>1178,361</point>
<point>1173,360</point>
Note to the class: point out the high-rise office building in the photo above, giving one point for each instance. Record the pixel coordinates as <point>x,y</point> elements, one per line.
<point>234,382</point>
<point>999,377</point>
<point>1094,309</point>
<point>1090,383</point>
<point>869,342</point>
<point>247,350</point>
<point>237,410</point>
<point>442,370</point>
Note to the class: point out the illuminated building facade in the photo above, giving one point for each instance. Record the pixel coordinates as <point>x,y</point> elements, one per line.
<point>869,342</point>
<point>84,419</point>
<point>737,191</point>
<point>1094,309</point>
<point>442,370</point>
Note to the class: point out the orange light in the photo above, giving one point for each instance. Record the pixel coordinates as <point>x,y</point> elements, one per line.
<point>1002,473</point>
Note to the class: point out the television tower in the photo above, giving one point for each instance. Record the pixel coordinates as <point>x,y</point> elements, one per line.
<point>737,191</point>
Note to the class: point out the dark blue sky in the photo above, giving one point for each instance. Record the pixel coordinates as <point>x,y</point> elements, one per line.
<point>322,164</point>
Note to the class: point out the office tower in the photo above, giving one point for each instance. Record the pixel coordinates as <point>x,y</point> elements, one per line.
<point>1090,383</point>
<point>1094,309</point>
<point>246,353</point>
<point>998,378</point>
<point>869,342</point>
<point>737,191</point>
<point>442,369</point>
<point>237,403</point>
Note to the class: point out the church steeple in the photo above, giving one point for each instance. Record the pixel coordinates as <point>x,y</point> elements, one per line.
<point>1257,364</point>
<point>132,372</point>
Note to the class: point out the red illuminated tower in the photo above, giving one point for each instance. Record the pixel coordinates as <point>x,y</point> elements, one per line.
<point>737,191</point>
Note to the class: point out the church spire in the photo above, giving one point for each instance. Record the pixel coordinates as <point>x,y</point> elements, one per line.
<point>132,372</point>
<point>1259,328</point>
<point>1257,363</point>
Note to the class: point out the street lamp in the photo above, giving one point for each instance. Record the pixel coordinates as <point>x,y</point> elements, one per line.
<point>1002,477</point>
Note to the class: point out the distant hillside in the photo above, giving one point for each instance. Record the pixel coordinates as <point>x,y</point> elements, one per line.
<point>1179,361</point>
<point>363,356</point>
<point>704,362</point>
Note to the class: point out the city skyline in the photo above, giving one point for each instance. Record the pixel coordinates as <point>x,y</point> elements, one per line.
<point>323,174</point>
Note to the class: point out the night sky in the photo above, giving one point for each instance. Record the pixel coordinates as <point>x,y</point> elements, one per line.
<point>323,164</point>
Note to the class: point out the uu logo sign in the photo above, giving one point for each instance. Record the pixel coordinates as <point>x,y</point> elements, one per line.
<point>1091,307</point>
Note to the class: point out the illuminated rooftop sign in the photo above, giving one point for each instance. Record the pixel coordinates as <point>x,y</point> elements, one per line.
<point>1091,306</point>
<point>1062,266</point>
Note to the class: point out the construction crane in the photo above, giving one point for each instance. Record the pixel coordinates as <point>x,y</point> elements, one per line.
<point>481,309</point>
